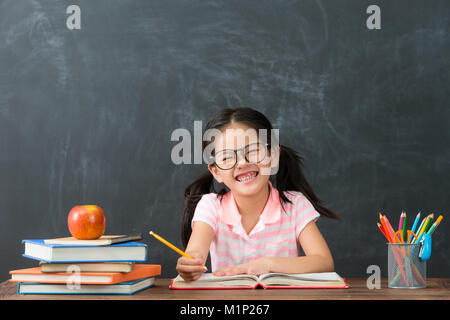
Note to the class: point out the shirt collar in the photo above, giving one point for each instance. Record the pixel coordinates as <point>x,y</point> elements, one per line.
<point>230,214</point>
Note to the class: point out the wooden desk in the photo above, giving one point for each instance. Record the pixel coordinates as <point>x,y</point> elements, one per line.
<point>437,289</point>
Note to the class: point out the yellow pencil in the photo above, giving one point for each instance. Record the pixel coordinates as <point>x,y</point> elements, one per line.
<point>171,246</point>
<point>427,219</point>
<point>435,224</point>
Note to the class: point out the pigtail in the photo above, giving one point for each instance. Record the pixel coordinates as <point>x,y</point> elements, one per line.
<point>192,195</point>
<point>290,177</point>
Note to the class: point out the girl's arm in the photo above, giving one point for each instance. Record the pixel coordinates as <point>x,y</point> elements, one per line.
<point>200,240</point>
<point>198,247</point>
<point>317,258</point>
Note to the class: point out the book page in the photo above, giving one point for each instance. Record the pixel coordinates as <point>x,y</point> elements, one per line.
<point>209,277</point>
<point>323,276</point>
<point>103,240</point>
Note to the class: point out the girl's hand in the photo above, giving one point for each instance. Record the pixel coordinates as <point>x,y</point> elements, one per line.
<point>191,269</point>
<point>256,267</point>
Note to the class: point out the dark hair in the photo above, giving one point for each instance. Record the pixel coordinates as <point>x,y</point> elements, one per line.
<point>288,178</point>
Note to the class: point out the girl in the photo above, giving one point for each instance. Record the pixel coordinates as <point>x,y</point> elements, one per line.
<point>256,225</point>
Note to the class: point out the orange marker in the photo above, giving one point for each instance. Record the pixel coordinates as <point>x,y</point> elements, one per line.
<point>383,222</point>
<point>382,230</point>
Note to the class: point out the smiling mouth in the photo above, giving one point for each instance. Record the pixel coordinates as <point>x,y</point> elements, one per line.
<point>246,176</point>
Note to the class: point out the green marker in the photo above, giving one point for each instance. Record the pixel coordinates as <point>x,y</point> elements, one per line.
<point>404,228</point>
<point>435,224</point>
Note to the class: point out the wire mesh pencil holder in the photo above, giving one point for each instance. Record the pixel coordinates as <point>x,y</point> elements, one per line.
<point>406,270</point>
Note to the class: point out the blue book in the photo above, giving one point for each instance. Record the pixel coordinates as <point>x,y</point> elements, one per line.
<point>129,287</point>
<point>63,253</point>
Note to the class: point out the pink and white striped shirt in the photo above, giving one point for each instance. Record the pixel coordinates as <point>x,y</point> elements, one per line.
<point>275,234</point>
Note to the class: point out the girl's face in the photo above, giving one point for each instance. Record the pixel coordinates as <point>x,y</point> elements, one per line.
<point>244,178</point>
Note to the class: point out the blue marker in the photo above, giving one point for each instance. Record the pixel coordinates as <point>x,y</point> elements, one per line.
<point>413,230</point>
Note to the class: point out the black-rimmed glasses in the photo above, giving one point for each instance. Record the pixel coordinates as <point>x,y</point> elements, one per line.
<point>253,153</point>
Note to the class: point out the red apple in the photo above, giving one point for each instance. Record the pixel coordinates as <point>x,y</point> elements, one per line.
<point>86,222</point>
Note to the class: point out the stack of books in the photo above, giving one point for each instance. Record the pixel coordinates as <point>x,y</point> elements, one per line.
<point>107,265</point>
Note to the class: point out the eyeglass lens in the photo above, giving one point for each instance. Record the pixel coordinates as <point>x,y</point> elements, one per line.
<point>254,153</point>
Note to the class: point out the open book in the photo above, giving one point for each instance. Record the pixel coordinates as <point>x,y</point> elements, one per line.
<point>324,280</point>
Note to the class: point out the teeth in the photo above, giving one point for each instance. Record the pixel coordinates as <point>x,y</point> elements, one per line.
<point>247,177</point>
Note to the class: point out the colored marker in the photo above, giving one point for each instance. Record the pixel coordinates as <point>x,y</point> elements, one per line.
<point>416,221</point>
<point>435,224</point>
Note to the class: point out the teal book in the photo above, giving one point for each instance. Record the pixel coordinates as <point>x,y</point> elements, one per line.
<point>62,253</point>
<point>127,288</point>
